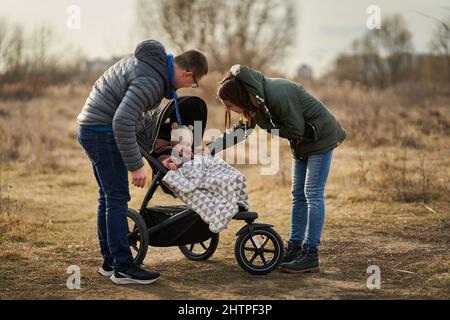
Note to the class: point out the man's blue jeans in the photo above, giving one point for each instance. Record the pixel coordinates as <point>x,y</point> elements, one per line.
<point>308,202</point>
<point>112,179</point>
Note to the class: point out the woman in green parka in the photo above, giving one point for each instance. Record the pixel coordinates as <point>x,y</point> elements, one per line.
<point>285,108</point>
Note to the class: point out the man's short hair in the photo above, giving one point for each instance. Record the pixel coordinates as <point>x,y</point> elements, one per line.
<point>194,61</point>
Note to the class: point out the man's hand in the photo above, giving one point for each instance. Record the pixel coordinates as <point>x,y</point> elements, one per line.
<point>139,177</point>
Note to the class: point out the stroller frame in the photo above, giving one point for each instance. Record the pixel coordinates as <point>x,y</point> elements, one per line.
<point>248,241</point>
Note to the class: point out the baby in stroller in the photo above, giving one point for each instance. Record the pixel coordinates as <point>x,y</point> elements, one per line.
<point>174,144</point>
<point>171,153</point>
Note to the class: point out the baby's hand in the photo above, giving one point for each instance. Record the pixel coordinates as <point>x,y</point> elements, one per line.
<point>169,163</point>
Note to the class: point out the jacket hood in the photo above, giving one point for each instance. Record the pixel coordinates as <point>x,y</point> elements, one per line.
<point>153,53</point>
<point>253,80</point>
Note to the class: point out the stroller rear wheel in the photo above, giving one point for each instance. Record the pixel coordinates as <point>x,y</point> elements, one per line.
<point>201,251</point>
<point>260,252</point>
<point>137,236</point>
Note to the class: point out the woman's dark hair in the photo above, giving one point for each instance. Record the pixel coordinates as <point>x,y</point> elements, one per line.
<point>232,90</point>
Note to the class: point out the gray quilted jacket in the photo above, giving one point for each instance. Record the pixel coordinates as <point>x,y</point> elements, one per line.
<point>132,86</point>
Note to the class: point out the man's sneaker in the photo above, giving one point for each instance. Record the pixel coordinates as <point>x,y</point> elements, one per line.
<point>106,270</point>
<point>293,251</point>
<point>308,262</point>
<point>134,275</point>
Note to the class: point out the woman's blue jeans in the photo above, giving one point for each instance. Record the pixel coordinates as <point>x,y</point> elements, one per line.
<point>112,179</point>
<point>308,202</point>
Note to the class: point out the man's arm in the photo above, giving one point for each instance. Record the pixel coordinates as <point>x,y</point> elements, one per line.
<point>142,92</point>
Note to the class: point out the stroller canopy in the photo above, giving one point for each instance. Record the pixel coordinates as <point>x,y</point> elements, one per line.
<point>157,122</point>
<point>191,109</point>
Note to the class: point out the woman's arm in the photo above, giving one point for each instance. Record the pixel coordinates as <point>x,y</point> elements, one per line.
<point>238,133</point>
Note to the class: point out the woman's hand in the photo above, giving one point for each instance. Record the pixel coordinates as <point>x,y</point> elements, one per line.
<point>202,150</point>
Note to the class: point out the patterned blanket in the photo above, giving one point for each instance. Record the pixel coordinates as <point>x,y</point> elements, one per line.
<point>211,187</point>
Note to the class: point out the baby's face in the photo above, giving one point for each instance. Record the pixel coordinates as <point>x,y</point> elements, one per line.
<point>181,138</point>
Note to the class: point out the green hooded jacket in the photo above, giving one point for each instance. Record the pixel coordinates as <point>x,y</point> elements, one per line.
<point>301,118</point>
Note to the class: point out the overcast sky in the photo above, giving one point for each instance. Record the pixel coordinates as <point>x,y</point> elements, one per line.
<point>325,27</point>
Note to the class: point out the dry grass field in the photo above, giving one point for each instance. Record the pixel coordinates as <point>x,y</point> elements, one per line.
<point>387,204</point>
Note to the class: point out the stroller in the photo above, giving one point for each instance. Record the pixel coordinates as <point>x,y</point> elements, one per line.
<point>258,248</point>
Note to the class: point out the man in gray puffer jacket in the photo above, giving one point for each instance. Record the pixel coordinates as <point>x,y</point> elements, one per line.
<point>108,125</point>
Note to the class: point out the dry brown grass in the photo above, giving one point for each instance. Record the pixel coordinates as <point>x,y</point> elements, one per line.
<point>39,132</point>
<point>387,204</point>
<point>392,117</point>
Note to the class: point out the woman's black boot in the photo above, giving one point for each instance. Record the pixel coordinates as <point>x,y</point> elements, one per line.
<point>293,251</point>
<point>307,262</point>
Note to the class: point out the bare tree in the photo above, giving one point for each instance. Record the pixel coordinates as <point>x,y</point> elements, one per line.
<point>252,32</point>
<point>381,57</point>
<point>3,33</point>
<point>40,44</point>
<point>396,44</point>
<point>12,52</point>
<point>441,43</point>
<point>24,54</point>
<point>34,58</point>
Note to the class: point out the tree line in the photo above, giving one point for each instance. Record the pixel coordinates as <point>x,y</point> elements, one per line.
<point>258,33</point>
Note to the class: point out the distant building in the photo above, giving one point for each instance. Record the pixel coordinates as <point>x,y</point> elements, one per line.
<point>305,72</point>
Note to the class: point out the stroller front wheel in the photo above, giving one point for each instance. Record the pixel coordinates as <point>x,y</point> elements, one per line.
<point>259,252</point>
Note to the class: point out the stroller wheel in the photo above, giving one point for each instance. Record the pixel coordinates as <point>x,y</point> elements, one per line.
<point>259,253</point>
<point>137,236</point>
<point>201,251</point>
